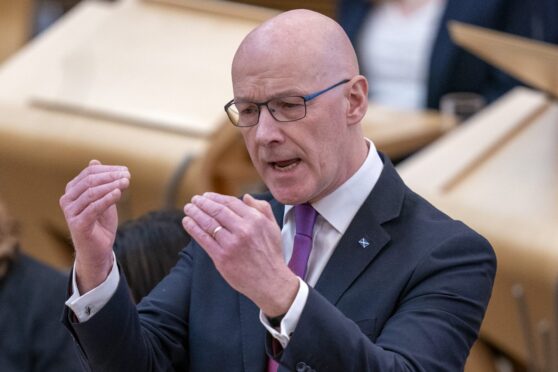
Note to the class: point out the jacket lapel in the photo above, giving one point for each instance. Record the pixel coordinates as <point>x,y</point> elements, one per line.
<point>352,255</point>
<point>345,265</point>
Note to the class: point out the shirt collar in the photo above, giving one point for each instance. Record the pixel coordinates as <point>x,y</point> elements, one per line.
<point>339,207</point>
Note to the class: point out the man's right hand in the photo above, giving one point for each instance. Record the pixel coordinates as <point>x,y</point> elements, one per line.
<point>89,206</point>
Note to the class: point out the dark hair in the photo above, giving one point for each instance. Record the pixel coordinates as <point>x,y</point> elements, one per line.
<point>147,248</point>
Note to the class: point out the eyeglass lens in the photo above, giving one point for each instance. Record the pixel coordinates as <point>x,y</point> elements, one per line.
<point>282,109</point>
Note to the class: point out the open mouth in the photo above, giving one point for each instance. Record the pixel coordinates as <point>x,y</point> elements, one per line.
<point>285,165</point>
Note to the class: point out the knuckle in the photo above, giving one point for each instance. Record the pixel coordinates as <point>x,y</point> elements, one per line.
<point>242,233</point>
<point>234,241</point>
<point>205,226</point>
<point>90,193</point>
<point>89,181</point>
<point>63,201</point>
<point>95,206</point>
<point>216,212</point>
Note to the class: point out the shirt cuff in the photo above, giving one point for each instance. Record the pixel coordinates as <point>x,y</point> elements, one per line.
<point>87,305</point>
<point>290,320</point>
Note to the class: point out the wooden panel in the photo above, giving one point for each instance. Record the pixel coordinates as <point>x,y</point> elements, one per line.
<point>222,8</point>
<point>136,62</point>
<point>532,61</point>
<point>398,133</point>
<point>327,7</point>
<point>15,25</point>
<point>41,151</point>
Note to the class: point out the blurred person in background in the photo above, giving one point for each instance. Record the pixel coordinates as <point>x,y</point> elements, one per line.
<point>408,56</point>
<point>31,336</point>
<point>148,247</point>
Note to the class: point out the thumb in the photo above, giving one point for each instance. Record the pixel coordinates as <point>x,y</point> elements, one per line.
<point>261,205</point>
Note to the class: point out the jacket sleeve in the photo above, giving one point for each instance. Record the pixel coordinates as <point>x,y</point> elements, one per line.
<point>150,338</point>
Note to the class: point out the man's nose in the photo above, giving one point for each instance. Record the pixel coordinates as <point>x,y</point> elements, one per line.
<point>268,129</point>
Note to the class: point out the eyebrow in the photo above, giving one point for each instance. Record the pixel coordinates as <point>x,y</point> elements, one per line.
<point>285,93</point>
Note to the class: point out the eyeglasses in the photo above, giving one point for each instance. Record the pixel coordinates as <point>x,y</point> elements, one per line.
<point>283,109</point>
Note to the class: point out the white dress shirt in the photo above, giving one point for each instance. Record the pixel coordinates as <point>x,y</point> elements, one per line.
<point>335,213</point>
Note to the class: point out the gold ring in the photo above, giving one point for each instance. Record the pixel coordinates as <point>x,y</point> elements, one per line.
<point>216,230</point>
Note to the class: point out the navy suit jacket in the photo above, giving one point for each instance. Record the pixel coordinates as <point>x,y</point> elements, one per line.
<point>451,68</point>
<point>413,299</point>
<point>31,337</point>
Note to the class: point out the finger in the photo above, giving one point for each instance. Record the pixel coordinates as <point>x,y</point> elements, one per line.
<point>94,162</point>
<point>202,218</point>
<point>261,205</point>
<point>95,180</point>
<point>94,194</point>
<point>201,236</point>
<point>95,209</point>
<point>94,168</point>
<point>221,213</point>
<point>233,203</point>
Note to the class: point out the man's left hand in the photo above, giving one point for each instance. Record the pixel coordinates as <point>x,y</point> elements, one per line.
<point>244,241</point>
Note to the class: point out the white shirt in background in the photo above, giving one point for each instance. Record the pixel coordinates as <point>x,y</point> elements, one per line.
<point>395,48</point>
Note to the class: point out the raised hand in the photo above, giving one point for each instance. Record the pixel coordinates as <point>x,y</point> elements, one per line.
<point>244,241</point>
<point>89,206</point>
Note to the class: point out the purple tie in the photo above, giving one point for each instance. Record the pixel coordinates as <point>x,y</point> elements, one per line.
<point>305,218</point>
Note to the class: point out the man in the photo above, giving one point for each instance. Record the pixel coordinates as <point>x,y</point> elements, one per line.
<point>390,284</point>
<point>31,339</point>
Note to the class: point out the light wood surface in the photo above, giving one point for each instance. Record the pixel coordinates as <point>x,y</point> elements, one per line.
<point>499,174</point>
<point>16,18</point>
<point>137,62</point>
<point>534,62</point>
<point>327,7</point>
<point>222,8</point>
<point>41,151</point>
<point>398,133</point>
<point>255,9</point>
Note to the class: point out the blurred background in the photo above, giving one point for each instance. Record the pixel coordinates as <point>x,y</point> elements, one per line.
<point>469,116</point>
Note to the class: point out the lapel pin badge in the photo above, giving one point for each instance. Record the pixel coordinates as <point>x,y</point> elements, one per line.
<point>363,243</point>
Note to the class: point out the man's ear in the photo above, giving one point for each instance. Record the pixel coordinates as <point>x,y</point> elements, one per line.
<point>358,100</point>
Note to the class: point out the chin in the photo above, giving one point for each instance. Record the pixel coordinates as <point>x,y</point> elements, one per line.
<point>291,195</point>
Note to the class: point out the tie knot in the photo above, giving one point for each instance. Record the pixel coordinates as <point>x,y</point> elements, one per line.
<point>305,217</point>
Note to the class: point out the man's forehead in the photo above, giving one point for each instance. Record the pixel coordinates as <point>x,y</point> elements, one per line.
<point>301,47</point>
<point>262,88</point>
<point>295,33</point>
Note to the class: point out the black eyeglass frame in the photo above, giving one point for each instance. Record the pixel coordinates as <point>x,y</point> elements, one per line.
<point>305,98</point>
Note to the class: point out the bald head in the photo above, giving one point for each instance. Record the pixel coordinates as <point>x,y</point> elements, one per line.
<point>301,41</point>
<point>301,54</point>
